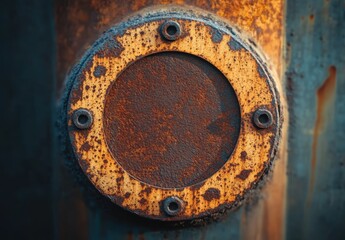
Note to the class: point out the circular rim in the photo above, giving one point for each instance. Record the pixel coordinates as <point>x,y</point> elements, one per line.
<point>251,81</point>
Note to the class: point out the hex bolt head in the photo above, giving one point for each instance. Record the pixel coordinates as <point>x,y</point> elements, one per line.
<point>82,118</point>
<point>263,118</point>
<point>170,30</point>
<point>173,206</point>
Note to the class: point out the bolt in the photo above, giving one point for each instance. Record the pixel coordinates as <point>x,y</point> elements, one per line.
<point>82,118</point>
<point>172,206</point>
<point>171,30</point>
<point>263,118</point>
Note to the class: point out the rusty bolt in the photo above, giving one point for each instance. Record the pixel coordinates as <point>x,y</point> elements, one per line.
<point>82,118</point>
<point>263,118</point>
<point>172,206</point>
<point>171,30</point>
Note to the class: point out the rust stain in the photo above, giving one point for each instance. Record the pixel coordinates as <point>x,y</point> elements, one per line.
<point>311,17</point>
<point>253,222</point>
<point>274,204</point>
<point>243,155</point>
<point>86,146</point>
<point>244,174</point>
<point>325,99</point>
<point>211,193</point>
<point>264,217</point>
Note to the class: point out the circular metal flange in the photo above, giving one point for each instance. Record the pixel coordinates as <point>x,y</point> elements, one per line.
<point>106,83</point>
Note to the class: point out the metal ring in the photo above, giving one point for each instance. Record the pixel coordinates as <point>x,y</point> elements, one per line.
<point>172,206</point>
<point>171,30</point>
<point>263,118</point>
<point>82,118</point>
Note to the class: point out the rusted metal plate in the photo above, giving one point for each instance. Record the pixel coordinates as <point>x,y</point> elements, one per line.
<point>180,118</point>
<point>171,119</point>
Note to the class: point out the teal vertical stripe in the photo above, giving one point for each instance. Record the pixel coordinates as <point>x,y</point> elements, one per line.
<point>315,35</point>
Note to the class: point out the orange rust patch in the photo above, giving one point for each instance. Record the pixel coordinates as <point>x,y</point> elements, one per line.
<point>211,193</point>
<point>244,174</point>
<point>325,96</point>
<point>174,125</point>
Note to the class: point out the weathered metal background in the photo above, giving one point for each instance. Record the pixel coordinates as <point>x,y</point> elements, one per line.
<point>315,84</point>
<point>305,198</point>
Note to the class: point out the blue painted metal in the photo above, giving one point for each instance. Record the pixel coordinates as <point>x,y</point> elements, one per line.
<point>27,103</point>
<point>105,226</point>
<point>315,86</point>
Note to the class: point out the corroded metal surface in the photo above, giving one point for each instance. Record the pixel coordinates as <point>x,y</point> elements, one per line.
<point>171,119</point>
<point>80,22</point>
<point>105,82</point>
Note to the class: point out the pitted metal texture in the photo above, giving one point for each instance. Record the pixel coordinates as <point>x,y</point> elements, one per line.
<point>174,118</point>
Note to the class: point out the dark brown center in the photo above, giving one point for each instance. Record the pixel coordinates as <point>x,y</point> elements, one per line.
<point>171,119</point>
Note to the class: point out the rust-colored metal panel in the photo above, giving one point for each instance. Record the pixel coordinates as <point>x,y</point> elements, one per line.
<point>152,99</point>
<point>259,21</point>
<point>203,115</point>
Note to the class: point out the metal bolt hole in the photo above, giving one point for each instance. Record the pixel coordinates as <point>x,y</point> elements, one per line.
<point>264,118</point>
<point>82,119</point>
<point>173,206</point>
<point>172,30</point>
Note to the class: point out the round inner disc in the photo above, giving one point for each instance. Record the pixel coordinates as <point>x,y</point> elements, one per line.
<point>171,119</point>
